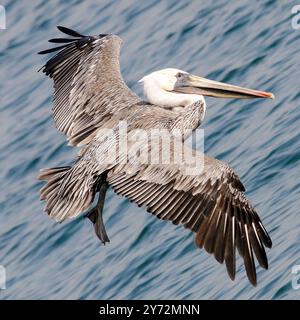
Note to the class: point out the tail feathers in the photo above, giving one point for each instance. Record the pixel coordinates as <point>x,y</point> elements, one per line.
<point>68,191</point>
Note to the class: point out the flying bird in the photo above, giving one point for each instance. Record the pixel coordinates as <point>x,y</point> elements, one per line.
<point>90,95</point>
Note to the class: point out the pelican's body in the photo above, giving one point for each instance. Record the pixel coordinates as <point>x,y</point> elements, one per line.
<point>90,95</point>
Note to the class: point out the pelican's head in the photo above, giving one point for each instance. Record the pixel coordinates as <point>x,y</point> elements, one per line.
<point>176,88</point>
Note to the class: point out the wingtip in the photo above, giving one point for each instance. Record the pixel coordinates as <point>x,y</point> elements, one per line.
<point>266,266</point>
<point>231,275</point>
<point>253,282</point>
<point>70,32</point>
<point>230,267</point>
<point>270,244</point>
<point>252,277</point>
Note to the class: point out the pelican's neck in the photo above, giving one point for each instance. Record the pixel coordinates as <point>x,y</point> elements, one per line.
<point>156,95</point>
<point>190,117</point>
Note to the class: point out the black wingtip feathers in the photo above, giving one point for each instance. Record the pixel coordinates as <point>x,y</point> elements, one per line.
<point>70,32</point>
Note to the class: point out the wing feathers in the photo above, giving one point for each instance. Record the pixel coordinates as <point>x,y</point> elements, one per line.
<point>51,50</point>
<point>69,32</point>
<point>61,40</point>
<point>230,249</point>
<point>85,97</point>
<point>212,207</point>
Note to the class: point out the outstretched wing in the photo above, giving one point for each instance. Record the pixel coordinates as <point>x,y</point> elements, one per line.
<point>211,204</point>
<point>88,87</point>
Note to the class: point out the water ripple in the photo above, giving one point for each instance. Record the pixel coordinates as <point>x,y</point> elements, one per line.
<point>247,43</point>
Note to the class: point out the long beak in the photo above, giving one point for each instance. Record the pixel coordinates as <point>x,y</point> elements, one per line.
<point>197,85</point>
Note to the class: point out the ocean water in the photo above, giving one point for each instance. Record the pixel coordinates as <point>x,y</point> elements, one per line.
<point>250,43</point>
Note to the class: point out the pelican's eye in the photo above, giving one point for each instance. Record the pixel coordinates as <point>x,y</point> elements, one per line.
<point>179,75</point>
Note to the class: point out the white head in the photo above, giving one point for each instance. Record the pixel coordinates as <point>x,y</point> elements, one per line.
<point>176,88</point>
<point>165,78</point>
<point>159,88</point>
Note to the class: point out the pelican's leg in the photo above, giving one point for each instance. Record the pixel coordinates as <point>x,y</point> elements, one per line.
<point>95,214</point>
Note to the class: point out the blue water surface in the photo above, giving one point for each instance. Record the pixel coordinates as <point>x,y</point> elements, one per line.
<point>250,43</point>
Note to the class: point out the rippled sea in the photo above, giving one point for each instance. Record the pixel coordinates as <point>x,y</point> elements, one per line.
<point>249,43</point>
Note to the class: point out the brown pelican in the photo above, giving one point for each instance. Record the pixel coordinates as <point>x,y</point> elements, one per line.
<point>90,95</point>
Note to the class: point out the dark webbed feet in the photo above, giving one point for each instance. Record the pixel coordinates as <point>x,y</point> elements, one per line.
<point>95,214</point>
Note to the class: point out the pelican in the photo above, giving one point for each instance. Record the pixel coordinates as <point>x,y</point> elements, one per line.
<point>90,95</point>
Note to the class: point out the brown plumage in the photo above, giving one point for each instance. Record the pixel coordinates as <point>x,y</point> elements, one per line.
<point>89,95</point>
